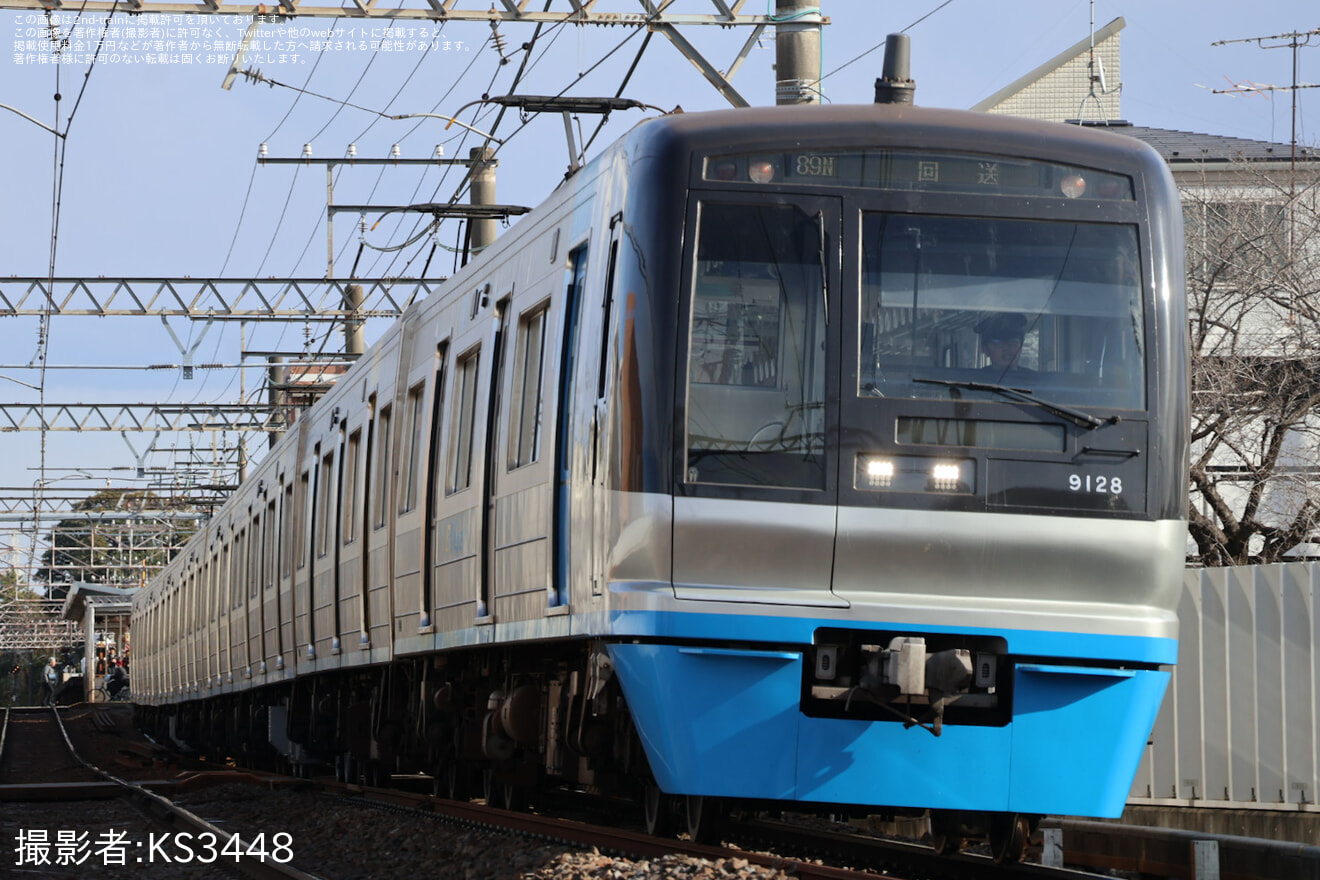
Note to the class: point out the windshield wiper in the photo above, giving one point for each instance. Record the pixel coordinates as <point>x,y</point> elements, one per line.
<point>1076,416</point>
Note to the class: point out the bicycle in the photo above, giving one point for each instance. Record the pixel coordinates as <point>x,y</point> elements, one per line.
<point>101,695</point>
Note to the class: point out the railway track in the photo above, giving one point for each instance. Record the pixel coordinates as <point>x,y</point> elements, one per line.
<point>65,817</point>
<point>337,830</point>
<point>792,850</point>
<point>56,791</point>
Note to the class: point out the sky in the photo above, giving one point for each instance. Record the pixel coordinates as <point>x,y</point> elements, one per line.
<point>159,175</point>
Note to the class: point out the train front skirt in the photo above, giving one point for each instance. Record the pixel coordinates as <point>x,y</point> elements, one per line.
<point>721,721</point>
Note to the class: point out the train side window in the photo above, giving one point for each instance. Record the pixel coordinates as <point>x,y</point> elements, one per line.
<point>465,409</point>
<point>525,403</point>
<point>416,429</point>
<point>380,483</point>
<point>352,462</point>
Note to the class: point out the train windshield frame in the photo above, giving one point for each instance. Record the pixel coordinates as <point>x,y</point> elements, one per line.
<point>921,286</point>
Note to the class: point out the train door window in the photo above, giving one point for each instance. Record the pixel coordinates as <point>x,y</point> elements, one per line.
<point>223,578</point>
<point>525,404</point>
<point>268,547</point>
<point>756,356</point>
<point>252,566</point>
<point>325,513</point>
<point>236,567</point>
<point>287,528</point>
<point>305,499</point>
<point>574,296</point>
<point>434,465</point>
<point>213,584</point>
<point>352,462</point>
<point>416,430</point>
<point>465,410</point>
<point>381,481</point>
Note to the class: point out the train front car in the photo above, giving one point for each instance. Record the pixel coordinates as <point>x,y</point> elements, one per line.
<point>928,460</point>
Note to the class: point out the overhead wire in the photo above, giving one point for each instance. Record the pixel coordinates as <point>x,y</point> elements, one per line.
<point>419,222</point>
<point>365,70</point>
<point>247,196</point>
<point>524,66</point>
<point>423,228</point>
<point>324,339</point>
<point>881,44</point>
<point>416,125</point>
<point>334,23</point>
<point>582,74</point>
<point>59,155</point>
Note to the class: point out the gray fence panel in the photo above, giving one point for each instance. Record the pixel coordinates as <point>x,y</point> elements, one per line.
<point>1238,727</point>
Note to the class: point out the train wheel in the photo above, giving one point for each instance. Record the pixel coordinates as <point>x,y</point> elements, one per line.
<point>701,818</point>
<point>945,837</point>
<point>659,812</point>
<point>1009,833</point>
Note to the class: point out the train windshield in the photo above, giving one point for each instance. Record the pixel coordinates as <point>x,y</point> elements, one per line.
<point>1048,307</point>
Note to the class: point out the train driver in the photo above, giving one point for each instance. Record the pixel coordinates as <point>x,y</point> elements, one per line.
<point>1001,340</point>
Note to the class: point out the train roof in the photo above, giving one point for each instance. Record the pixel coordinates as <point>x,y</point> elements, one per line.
<point>881,125</point>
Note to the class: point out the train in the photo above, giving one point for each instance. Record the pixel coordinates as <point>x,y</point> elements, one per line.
<point>819,458</point>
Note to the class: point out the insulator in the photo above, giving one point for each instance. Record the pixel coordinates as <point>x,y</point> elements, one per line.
<point>498,39</point>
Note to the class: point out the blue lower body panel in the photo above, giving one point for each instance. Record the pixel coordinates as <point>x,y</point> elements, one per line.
<point>727,722</point>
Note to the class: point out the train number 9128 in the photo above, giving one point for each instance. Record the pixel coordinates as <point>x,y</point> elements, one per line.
<point>1090,483</point>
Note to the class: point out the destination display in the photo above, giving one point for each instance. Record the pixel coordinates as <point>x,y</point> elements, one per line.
<point>926,172</point>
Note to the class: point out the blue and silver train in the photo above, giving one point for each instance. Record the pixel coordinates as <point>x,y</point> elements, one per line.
<point>812,456</point>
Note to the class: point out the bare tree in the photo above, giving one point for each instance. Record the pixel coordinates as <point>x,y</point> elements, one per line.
<point>1253,286</point>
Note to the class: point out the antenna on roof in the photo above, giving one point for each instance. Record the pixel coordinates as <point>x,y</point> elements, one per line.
<point>1096,85</point>
<point>895,85</point>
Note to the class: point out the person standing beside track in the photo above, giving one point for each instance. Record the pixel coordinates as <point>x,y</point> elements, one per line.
<point>52,675</point>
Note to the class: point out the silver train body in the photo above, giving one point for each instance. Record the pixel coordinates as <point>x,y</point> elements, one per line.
<point>701,482</point>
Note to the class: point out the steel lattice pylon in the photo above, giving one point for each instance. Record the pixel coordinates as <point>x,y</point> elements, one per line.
<point>36,625</point>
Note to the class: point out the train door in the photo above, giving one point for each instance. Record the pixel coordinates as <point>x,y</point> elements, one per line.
<point>603,527</point>
<point>432,488</point>
<point>457,573</point>
<point>490,484</point>
<point>571,515</point>
<point>324,592</point>
<point>755,505</point>
<point>350,564</point>
<point>284,600</point>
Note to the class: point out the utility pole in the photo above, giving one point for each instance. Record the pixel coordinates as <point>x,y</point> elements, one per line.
<point>481,232</point>
<point>276,379</point>
<point>797,51</point>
